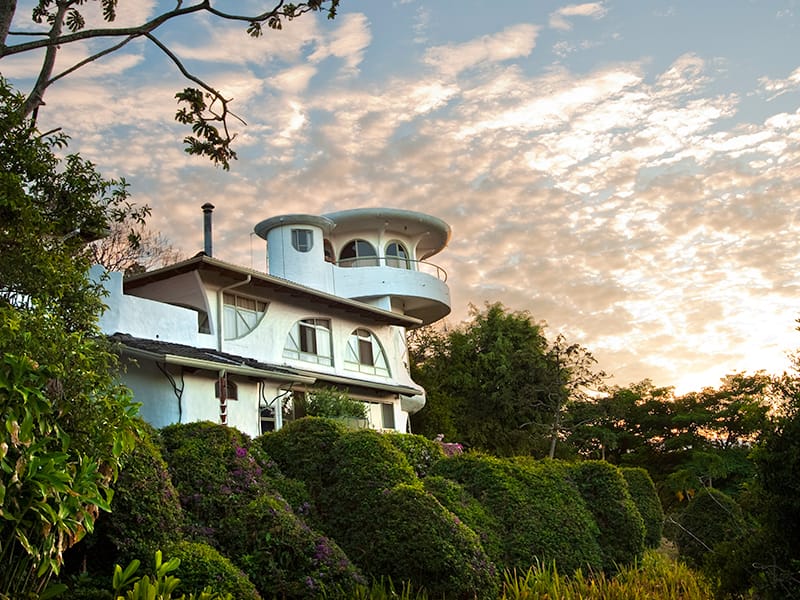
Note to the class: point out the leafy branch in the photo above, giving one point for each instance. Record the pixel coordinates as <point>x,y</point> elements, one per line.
<point>206,110</point>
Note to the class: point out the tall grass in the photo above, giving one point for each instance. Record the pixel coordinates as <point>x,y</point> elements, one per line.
<point>657,577</point>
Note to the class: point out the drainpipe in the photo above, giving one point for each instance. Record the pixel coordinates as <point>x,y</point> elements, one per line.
<point>220,293</point>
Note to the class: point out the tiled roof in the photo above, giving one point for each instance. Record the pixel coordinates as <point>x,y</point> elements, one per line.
<point>222,359</point>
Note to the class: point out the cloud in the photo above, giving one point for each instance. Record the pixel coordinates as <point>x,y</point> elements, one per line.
<point>559,18</point>
<point>513,42</point>
<point>637,208</point>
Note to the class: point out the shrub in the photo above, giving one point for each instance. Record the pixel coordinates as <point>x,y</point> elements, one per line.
<point>282,555</point>
<point>303,451</point>
<point>472,513</point>
<point>334,404</point>
<point>540,515</point>
<point>215,470</point>
<point>621,528</point>
<point>146,512</point>
<point>645,497</point>
<point>710,518</point>
<point>420,452</point>
<point>202,566</point>
<point>414,538</point>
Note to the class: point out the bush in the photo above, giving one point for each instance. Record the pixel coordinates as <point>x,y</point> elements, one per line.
<point>416,539</point>
<point>334,404</point>
<point>303,451</point>
<point>645,497</point>
<point>215,470</point>
<point>711,518</point>
<point>202,566</point>
<point>282,555</point>
<point>472,513</point>
<point>420,452</point>
<point>621,528</point>
<point>146,512</point>
<point>540,515</point>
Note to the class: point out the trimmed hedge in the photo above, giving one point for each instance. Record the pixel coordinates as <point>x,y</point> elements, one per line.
<point>228,487</point>
<point>420,452</point>
<point>621,528</point>
<point>417,539</point>
<point>472,513</point>
<point>282,555</point>
<point>541,516</point>
<point>303,451</point>
<point>201,566</point>
<point>146,512</point>
<point>645,497</point>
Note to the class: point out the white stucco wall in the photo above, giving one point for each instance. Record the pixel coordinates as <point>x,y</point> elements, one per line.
<point>145,318</point>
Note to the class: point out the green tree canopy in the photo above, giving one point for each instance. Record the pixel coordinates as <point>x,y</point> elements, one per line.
<point>65,419</point>
<point>496,383</point>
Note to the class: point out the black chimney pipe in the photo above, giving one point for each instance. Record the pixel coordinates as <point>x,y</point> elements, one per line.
<point>208,208</point>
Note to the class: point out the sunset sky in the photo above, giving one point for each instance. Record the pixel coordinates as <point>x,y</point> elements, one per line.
<point>628,171</point>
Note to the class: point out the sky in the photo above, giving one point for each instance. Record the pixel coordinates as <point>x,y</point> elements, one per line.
<point>626,171</point>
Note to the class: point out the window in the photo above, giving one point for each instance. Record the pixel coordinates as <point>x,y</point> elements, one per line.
<point>358,253</point>
<point>330,256</point>
<point>387,416</point>
<point>231,389</point>
<point>364,354</point>
<point>267,419</point>
<point>397,256</point>
<point>310,340</point>
<point>302,239</point>
<point>241,315</point>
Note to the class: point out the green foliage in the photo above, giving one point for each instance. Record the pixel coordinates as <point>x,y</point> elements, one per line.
<point>228,488</point>
<point>160,586</point>
<point>541,516</point>
<point>655,578</point>
<point>215,470</point>
<point>711,518</point>
<point>621,528</point>
<point>416,539</point>
<point>334,404</point>
<point>470,511</point>
<point>645,497</point>
<point>65,420</point>
<point>303,450</point>
<point>496,384</point>
<point>282,555</point>
<point>420,452</point>
<point>201,567</point>
<point>146,514</point>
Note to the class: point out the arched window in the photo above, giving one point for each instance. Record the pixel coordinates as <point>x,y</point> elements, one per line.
<point>241,315</point>
<point>310,340</point>
<point>397,256</point>
<point>358,253</point>
<point>365,354</point>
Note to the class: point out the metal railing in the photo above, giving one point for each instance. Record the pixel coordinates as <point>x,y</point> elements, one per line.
<point>394,262</point>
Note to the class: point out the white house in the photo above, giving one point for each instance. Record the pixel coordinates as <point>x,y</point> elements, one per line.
<point>206,340</point>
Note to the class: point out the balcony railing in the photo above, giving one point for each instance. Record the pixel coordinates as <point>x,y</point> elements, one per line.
<point>395,263</point>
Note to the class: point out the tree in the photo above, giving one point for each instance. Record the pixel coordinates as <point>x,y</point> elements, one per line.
<point>130,247</point>
<point>498,382</point>
<point>204,108</point>
<point>570,377</point>
<point>66,420</point>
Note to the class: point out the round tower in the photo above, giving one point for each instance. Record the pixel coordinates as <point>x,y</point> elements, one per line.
<point>296,249</point>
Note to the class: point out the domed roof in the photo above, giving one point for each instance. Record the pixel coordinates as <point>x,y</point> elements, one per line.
<point>436,233</point>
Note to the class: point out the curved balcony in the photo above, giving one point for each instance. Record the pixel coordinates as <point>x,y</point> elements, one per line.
<point>422,290</point>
